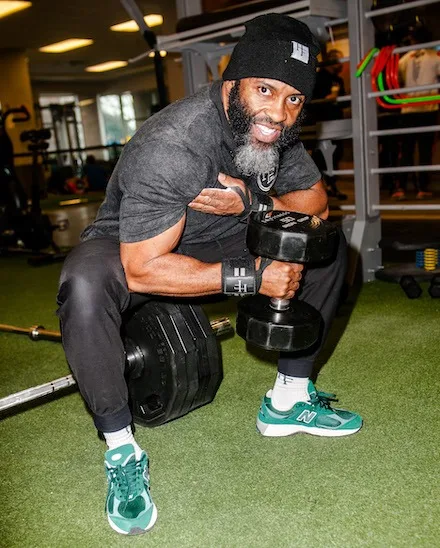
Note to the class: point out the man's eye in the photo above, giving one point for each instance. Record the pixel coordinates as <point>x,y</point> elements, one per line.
<point>296,100</point>
<point>264,90</point>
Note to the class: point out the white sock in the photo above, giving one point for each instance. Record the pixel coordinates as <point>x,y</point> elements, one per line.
<point>289,390</point>
<point>122,437</point>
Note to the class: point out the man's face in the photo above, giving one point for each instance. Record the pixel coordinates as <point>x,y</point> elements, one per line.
<point>265,118</point>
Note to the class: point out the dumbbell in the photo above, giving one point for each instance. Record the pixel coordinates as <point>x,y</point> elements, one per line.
<point>283,324</point>
<point>410,286</point>
<point>434,287</point>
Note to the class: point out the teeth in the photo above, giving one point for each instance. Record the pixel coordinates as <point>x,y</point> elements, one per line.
<point>265,130</point>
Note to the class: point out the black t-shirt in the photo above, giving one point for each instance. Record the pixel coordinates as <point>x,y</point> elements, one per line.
<point>172,157</point>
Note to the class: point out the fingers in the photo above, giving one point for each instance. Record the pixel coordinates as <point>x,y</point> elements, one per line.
<point>217,201</point>
<point>282,280</point>
<point>227,180</point>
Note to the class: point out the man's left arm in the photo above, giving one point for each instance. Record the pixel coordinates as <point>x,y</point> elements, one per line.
<point>228,201</point>
<point>313,201</point>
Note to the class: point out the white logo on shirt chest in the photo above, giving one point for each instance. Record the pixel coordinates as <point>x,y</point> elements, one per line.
<point>265,181</point>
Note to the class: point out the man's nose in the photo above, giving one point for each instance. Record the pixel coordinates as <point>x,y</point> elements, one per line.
<point>277,111</point>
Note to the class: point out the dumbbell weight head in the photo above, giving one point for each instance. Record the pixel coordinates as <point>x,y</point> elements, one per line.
<point>291,237</point>
<point>434,287</point>
<point>287,236</point>
<point>295,328</point>
<point>410,286</point>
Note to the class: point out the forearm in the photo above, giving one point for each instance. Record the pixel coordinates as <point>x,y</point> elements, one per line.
<point>176,275</point>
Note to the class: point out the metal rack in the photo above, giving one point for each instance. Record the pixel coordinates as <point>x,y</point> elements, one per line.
<point>203,47</point>
<point>364,228</point>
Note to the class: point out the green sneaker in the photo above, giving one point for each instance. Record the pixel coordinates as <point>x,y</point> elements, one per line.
<point>129,507</point>
<point>315,416</point>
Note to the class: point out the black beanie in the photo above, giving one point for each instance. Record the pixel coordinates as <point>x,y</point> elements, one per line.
<point>278,47</point>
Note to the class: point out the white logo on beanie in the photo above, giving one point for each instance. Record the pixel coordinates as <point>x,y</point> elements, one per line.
<point>300,52</point>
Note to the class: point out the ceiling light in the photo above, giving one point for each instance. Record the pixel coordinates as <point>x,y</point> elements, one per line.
<point>66,45</point>
<point>162,53</point>
<point>86,102</point>
<point>7,8</point>
<point>152,20</point>
<point>109,65</point>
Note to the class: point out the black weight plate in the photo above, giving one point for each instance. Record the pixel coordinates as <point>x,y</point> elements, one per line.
<point>291,237</point>
<point>192,365</point>
<point>210,370</point>
<point>289,330</point>
<point>157,336</point>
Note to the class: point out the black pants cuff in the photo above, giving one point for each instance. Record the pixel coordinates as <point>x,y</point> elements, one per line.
<point>114,422</point>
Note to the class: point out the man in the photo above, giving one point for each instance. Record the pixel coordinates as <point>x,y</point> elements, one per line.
<point>329,86</point>
<point>418,67</point>
<point>171,220</point>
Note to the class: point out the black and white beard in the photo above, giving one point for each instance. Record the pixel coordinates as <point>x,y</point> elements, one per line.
<point>251,157</point>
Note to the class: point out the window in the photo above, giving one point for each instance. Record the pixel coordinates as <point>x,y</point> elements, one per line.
<point>61,114</point>
<point>117,117</point>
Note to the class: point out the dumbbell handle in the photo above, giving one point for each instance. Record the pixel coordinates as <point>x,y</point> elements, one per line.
<point>280,304</point>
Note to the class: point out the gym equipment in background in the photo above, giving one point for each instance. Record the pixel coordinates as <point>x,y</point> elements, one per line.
<point>283,324</point>
<point>12,194</point>
<point>425,267</point>
<point>434,287</point>
<point>23,228</point>
<point>173,361</point>
<point>149,36</point>
<point>410,286</point>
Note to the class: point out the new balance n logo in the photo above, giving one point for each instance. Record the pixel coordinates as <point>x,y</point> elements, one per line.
<point>306,416</point>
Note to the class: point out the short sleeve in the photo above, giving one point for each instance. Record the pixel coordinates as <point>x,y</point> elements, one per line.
<point>297,171</point>
<point>157,183</point>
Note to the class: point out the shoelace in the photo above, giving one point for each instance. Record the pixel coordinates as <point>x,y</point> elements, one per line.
<point>128,480</point>
<point>322,399</point>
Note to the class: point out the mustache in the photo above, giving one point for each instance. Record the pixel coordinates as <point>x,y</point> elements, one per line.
<point>268,121</point>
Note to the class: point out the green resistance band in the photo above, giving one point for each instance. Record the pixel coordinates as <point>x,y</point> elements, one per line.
<point>364,63</point>
<point>413,100</point>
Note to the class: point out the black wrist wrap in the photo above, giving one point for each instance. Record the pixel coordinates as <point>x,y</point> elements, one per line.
<point>259,273</point>
<point>260,202</point>
<point>239,276</point>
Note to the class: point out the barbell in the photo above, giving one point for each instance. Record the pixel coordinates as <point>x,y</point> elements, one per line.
<point>173,361</point>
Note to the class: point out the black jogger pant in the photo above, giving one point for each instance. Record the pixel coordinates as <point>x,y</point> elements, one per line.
<point>93,295</point>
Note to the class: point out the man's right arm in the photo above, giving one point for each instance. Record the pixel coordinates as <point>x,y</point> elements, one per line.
<point>151,267</point>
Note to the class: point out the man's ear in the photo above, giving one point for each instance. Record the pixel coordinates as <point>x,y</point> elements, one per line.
<point>226,90</point>
<point>228,84</point>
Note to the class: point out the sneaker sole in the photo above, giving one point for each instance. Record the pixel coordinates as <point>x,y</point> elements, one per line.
<point>135,530</point>
<point>280,430</point>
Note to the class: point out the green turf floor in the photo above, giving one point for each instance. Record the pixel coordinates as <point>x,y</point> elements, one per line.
<point>216,482</point>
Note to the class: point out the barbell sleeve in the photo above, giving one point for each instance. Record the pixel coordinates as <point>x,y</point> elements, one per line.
<point>220,326</point>
<point>35,392</point>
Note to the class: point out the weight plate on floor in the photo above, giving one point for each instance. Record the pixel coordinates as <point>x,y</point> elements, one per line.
<point>165,356</point>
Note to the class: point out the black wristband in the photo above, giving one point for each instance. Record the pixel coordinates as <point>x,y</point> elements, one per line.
<point>253,202</point>
<point>259,273</point>
<point>239,276</point>
<point>261,202</point>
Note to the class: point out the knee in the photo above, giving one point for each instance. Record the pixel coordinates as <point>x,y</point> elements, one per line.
<point>87,285</point>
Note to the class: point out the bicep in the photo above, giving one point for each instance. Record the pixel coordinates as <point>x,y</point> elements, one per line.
<point>136,257</point>
<point>313,200</point>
